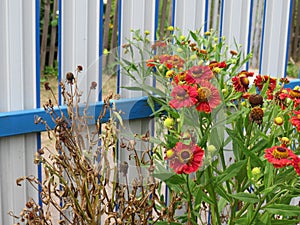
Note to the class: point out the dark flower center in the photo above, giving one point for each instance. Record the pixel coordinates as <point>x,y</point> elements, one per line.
<point>197,72</point>
<point>185,156</point>
<point>181,94</point>
<point>280,153</point>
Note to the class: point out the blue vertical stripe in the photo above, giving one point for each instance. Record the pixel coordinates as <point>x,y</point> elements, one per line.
<point>100,50</point>
<point>38,89</point>
<point>173,12</point>
<point>206,16</point>
<point>119,43</point>
<point>249,31</point>
<point>288,37</point>
<point>59,49</point>
<point>262,36</point>
<point>221,18</point>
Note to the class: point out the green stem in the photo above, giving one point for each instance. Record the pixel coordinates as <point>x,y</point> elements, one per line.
<point>257,210</point>
<point>191,216</point>
<point>215,216</point>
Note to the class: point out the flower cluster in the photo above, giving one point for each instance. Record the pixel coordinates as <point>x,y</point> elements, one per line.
<point>237,132</point>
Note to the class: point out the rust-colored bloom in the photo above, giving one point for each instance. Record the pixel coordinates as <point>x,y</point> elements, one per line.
<point>159,44</point>
<point>296,164</point>
<point>214,64</point>
<point>256,115</point>
<point>295,120</point>
<point>180,77</point>
<point>240,82</point>
<point>196,74</point>
<point>183,96</point>
<point>208,97</point>
<point>279,156</point>
<point>173,61</point>
<point>260,81</point>
<point>185,158</point>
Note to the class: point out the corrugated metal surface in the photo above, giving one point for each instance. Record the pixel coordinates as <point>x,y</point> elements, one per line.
<point>80,41</point>
<point>134,14</point>
<point>18,92</point>
<point>275,37</point>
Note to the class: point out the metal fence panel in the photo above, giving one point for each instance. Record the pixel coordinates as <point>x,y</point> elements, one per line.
<point>18,92</point>
<point>80,41</point>
<point>274,47</point>
<point>190,15</point>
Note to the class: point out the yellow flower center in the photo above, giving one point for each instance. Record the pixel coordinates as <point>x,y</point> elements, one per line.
<point>244,80</point>
<point>298,116</point>
<point>204,93</point>
<point>295,93</point>
<point>280,153</point>
<point>185,156</point>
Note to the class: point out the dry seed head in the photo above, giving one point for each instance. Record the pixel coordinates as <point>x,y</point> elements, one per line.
<point>70,77</point>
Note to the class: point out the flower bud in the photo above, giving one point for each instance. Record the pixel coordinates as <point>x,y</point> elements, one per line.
<point>216,70</point>
<point>211,148</point>
<point>278,120</point>
<point>256,171</point>
<point>193,57</point>
<point>169,122</point>
<point>169,153</point>
<point>105,52</point>
<point>285,141</point>
<point>182,37</point>
<point>170,28</point>
<point>147,32</point>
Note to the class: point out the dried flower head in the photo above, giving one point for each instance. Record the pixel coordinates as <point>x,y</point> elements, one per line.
<point>93,85</point>
<point>256,115</point>
<point>47,87</point>
<point>70,77</point>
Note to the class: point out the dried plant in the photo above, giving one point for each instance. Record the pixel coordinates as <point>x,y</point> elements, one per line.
<point>83,179</point>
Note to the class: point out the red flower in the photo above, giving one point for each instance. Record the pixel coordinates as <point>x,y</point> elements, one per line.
<point>260,80</point>
<point>183,96</point>
<point>279,156</point>
<point>159,44</point>
<point>240,82</point>
<point>150,63</point>
<point>196,74</point>
<point>295,120</point>
<point>173,61</point>
<point>214,64</point>
<point>296,164</point>
<point>180,77</point>
<point>208,97</point>
<point>185,158</point>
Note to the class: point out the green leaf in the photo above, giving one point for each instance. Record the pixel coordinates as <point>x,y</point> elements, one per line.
<point>231,171</point>
<point>245,197</point>
<point>284,210</point>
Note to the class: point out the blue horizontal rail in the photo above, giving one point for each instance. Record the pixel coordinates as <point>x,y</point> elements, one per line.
<point>22,122</point>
